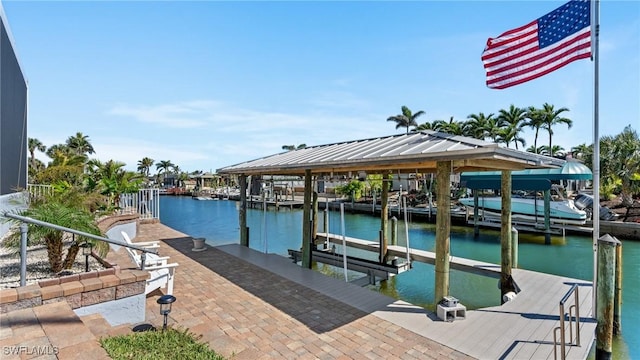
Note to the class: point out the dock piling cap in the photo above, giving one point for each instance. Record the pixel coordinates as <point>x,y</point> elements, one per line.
<point>607,239</point>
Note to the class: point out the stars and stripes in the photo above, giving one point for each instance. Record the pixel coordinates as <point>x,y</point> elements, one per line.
<point>540,47</point>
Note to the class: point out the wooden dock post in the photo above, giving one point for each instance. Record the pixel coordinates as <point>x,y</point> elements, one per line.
<point>443,228</point>
<point>514,246</point>
<point>384,207</point>
<point>605,288</point>
<point>306,221</point>
<point>314,201</point>
<point>506,263</point>
<point>547,217</point>
<point>242,212</point>
<point>476,214</point>
<point>617,298</point>
<point>394,231</point>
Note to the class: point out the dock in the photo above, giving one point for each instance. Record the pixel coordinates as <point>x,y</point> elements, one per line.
<point>522,328</point>
<point>256,202</point>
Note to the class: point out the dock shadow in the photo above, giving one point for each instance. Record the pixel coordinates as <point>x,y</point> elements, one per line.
<point>319,312</point>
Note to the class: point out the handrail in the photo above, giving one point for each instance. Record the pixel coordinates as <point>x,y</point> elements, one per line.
<point>576,306</point>
<point>23,242</point>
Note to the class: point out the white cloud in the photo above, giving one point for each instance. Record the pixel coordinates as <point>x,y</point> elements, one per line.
<point>189,114</point>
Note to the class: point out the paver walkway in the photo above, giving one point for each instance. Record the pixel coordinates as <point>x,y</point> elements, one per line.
<point>243,311</point>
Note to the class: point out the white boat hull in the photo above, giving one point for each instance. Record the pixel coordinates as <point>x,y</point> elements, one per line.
<point>531,210</point>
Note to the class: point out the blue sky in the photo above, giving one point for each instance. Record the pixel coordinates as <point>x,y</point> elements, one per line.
<point>210,84</point>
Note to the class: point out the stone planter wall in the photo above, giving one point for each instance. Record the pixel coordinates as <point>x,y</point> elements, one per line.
<point>79,290</point>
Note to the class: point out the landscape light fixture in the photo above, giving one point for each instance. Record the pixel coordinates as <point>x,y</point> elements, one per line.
<point>87,249</point>
<point>165,302</point>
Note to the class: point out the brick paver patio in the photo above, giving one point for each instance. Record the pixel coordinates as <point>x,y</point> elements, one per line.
<point>245,312</point>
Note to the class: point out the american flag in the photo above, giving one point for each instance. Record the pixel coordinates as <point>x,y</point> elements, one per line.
<point>540,47</point>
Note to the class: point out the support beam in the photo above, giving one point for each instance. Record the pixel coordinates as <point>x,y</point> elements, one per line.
<point>306,221</point>
<point>314,207</point>
<point>476,213</point>
<point>443,228</point>
<point>506,263</point>
<point>384,214</point>
<point>547,217</point>
<point>242,212</point>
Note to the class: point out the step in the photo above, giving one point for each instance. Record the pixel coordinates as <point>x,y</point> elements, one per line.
<point>101,328</point>
<point>48,330</point>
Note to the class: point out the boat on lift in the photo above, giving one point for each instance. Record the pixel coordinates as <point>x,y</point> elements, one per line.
<point>530,208</point>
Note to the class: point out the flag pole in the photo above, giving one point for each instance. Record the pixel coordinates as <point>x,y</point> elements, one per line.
<point>595,34</point>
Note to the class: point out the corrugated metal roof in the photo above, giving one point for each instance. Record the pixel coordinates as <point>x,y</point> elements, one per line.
<point>571,170</point>
<point>414,152</point>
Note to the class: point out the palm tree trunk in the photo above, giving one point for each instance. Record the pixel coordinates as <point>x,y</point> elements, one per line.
<point>54,252</point>
<point>71,257</point>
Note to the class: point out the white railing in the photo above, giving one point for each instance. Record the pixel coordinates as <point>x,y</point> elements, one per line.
<point>145,202</point>
<point>38,191</point>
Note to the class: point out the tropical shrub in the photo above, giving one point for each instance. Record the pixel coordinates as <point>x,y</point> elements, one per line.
<point>353,190</point>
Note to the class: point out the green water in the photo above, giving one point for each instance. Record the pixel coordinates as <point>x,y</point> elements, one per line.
<point>276,232</point>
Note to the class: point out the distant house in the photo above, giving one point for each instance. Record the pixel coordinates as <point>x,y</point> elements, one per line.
<point>170,181</point>
<point>13,115</point>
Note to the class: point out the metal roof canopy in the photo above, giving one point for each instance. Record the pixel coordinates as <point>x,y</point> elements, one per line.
<point>408,153</point>
<point>531,179</point>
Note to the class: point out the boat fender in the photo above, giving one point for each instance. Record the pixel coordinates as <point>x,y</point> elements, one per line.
<point>508,297</point>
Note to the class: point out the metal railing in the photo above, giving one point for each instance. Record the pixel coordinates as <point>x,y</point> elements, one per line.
<point>23,241</point>
<point>576,306</point>
<point>146,203</point>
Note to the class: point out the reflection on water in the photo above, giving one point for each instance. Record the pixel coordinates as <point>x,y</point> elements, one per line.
<point>571,256</point>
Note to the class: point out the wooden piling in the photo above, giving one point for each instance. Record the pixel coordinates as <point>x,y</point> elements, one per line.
<point>306,221</point>
<point>314,230</point>
<point>547,217</point>
<point>605,295</point>
<point>476,214</point>
<point>506,263</point>
<point>617,299</point>
<point>394,231</point>
<point>443,228</point>
<point>384,207</point>
<point>242,212</point>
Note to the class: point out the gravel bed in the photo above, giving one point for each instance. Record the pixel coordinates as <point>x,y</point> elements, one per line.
<point>37,265</point>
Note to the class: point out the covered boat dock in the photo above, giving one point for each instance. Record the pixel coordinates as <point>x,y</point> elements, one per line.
<point>442,154</point>
<point>419,152</point>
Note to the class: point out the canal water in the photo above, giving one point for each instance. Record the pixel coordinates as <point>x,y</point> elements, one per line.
<point>276,232</point>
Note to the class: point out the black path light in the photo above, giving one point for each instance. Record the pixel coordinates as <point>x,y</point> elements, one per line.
<point>165,302</point>
<point>87,249</point>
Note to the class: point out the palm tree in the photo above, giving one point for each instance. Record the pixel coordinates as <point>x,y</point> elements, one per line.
<point>535,150</point>
<point>511,123</point>
<point>59,209</point>
<point>454,127</point>
<point>535,122</point>
<point>293,147</point>
<point>406,119</point>
<point>621,160</point>
<point>480,126</point>
<point>35,144</point>
<point>144,166</point>
<point>550,117</point>
<point>112,180</point>
<point>164,166</point>
<point>80,144</point>
<point>582,151</point>
<point>556,151</point>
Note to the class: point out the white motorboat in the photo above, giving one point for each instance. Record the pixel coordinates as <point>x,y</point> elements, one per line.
<point>531,208</point>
